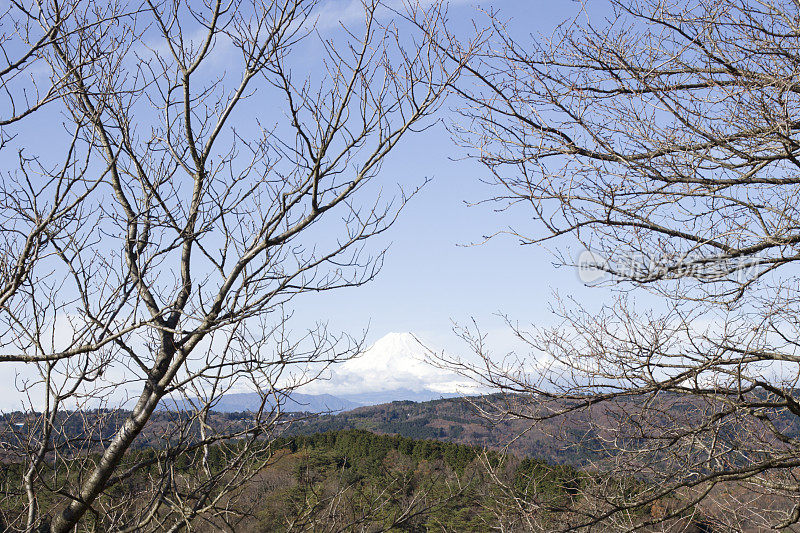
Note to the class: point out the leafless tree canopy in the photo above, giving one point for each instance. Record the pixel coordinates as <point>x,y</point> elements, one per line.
<point>204,164</point>
<point>664,138</point>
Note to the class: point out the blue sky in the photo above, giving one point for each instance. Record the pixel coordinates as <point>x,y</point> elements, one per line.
<point>432,276</point>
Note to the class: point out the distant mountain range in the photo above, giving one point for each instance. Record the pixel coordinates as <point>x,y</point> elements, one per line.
<point>251,401</point>
<point>311,403</point>
<point>378,397</point>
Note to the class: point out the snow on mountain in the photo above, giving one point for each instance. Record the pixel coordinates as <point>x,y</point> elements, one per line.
<point>396,362</point>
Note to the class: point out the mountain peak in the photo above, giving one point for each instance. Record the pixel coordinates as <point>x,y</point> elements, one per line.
<point>396,361</point>
<point>396,343</point>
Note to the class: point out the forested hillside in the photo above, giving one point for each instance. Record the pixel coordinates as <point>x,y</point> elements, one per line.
<point>354,480</point>
<point>359,480</point>
<point>457,420</point>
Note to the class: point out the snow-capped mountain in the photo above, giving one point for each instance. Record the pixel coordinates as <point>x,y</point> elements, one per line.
<point>393,368</point>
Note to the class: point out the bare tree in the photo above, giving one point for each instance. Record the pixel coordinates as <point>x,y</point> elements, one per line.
<point>664,140</point>
<point>211,162</point>
<point>26,85</point>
